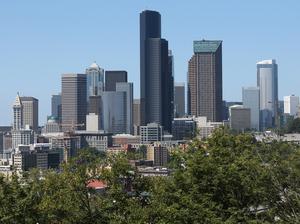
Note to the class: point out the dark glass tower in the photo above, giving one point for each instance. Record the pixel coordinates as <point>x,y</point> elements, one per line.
<point>205,80</point>
<point>112,77</point>
<point>155,78</point>
<point>74,104</point>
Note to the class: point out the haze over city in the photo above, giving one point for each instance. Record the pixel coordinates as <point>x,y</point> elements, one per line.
<point>40,41</point>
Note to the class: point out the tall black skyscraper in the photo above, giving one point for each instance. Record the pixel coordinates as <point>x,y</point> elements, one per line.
<point>156,79</point>
<point>112,77</point>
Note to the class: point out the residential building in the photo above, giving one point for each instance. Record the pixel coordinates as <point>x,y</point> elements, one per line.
<point>205,80</point>
<point>158,154</point>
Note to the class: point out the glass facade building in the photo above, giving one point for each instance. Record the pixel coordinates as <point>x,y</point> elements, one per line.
<point>267,81</point>
<point>251,101</point>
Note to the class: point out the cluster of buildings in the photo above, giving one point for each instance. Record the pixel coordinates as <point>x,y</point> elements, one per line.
<point>97,108</point>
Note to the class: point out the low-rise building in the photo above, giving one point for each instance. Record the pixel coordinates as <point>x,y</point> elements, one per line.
<point>151,133</point>
<point>205,127</point>
<point>183,128</point>
<point>158,154</point>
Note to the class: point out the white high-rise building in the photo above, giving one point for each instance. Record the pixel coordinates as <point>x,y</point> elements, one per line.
<point>95,80</point>
<point>18,114</point>
<point>251,101</point>
<point>267,81</point>
<point>291,105</point>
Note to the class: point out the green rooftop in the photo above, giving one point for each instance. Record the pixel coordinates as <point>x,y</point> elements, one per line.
<point>204,46</point>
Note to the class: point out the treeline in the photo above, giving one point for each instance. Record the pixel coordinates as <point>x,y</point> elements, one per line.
<point>226,179</point>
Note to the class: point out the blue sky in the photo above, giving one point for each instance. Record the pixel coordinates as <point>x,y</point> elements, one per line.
<point>40,40</point>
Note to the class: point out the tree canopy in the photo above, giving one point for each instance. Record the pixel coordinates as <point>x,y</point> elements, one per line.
<point>225,179</point>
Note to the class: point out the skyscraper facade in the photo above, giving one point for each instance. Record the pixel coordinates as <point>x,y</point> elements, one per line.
<point>56,107</point>
<point>205,80</point>
<point>136,116</point>
<point>112,77</point>
<point>179,99</point>
<point>267,81</point>
<point>155,75</point>
<point>127,87</point>
<point>114,112</point>
<point>17,114</point>
<point>30,112</point>
<point>95,80</point>
<point>251,101</point>
<point>74,101</point>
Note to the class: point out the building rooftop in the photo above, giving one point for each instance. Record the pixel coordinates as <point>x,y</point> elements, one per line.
<point>267,62</point>
<point>206,46</point>
<point>18,101</point>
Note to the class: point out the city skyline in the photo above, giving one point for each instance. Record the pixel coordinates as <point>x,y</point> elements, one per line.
<point>31,67</point>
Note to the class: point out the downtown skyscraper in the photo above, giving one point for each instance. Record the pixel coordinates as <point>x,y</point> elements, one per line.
<point>74,101</point>
<point>267,81</point>
<point>205,80</point>
<point>156,87</point>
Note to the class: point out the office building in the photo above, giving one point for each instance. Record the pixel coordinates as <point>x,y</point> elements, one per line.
<point>151,133</point>
<point>240,118</point>
<point>114,112</point>
<point>183,128</point>
<point>136,115</point>
<point>156,79</point>
<point>112,77</point>
<point>291,105</point>
<point>92,122</point>
<point>52,126</point>
<point>95,139</point>
<point>30,112</point>
<point>17,114</point>
<point>95,80</point>
<point>56,107</point>
<point>22,137</point>
<point>267,81</point>
<point>127,87</point>
<point>251,101</point>
<point>205,80</point>
<point>179,100</point>
<point>74,103</point>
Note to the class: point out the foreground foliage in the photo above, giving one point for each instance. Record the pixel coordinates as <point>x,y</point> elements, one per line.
<point>227,179</point>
